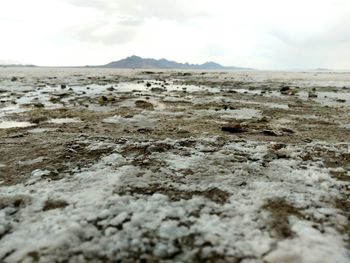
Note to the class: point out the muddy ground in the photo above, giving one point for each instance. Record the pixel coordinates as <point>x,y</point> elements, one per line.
<point>123,166</point>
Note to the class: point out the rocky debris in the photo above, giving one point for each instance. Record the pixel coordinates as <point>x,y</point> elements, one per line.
<point>263,119</point>
<point>287,130</point>
<point>233,128</point>
<point>271,133</point>
<point>102,100</point>
<point>157,89</point>
<point>144,130</point>
<point>284,89</point>
<point>37,120</point>
<point>62,94</point>
<point>17,135</point>
<point>55,99</point>
<point>278,146</point>
<point>38,105</point>
<point>144,105</point>
<point>312,95</point>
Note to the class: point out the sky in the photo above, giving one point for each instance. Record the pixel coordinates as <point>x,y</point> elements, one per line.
<point>263,34</point>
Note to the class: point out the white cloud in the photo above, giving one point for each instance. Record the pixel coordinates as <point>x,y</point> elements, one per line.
<point>253,33</point>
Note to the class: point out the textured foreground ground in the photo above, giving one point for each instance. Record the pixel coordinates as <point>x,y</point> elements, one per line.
<point>125,166</point>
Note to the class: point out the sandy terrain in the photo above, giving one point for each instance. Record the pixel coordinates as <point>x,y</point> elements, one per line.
<point>165,166</point>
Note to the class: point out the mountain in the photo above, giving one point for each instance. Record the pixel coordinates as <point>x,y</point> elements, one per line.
<point>150,63</point>
<point>13,63</point>
<point>16,66</point>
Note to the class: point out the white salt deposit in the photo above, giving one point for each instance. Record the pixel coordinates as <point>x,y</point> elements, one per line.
<point>15,124</point>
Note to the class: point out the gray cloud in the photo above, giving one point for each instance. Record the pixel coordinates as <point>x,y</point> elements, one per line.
<point>121,20</point>
<point>106,33</point>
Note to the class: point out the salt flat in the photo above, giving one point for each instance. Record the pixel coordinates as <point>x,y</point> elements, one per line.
<point>174,166</point>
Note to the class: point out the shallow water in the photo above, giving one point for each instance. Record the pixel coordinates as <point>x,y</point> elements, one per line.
<point>330,98</point>
<point>64,120</point>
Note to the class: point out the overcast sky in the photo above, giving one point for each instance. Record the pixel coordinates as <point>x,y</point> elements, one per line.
<point>265,34</point>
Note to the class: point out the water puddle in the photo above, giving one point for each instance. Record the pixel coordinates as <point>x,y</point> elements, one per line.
<point>41,130</point>
<point>31,162</point>
<point>64,120</point>
<point>334,98</point>
<point>170,86</point>
<point>328,98</point>
<point>239,114</point>
<point>137,120</point>
<point>11,109</point>
<point>245,113</point>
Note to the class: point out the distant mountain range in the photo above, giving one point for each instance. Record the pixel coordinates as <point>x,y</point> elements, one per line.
<point>150,63</point>
<point>15,66</point>
<point>136,62</point>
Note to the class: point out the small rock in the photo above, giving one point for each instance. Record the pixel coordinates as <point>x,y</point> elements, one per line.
<point>341,100</point>
<point>242,184</point>
<point>278,146</point>
<point>54,99</point>
<point>63,86</point>
<point>144,104</point>
<point>111,99</point>
<point>234,128</point>
<point>157,90</point>
<point>144,130</point>
<point>37,120</point>
<point>102,99</point>
<point>312,95</point>
<point>110,88</point>
<point>148,84</point>
<point>284,89</point>
<point>39,105</point>
<point>14,79</point>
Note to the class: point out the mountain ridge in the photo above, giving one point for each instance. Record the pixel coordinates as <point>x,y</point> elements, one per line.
<point>151,63</point>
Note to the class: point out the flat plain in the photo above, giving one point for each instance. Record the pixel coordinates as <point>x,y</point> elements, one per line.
<point>108,165</point>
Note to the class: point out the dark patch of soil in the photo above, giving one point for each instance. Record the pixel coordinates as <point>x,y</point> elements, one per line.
<point>213,194</point>
<point>280,211</point>
<point>14,201</point>
<point>233,128</point>
<point>54,204</point>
